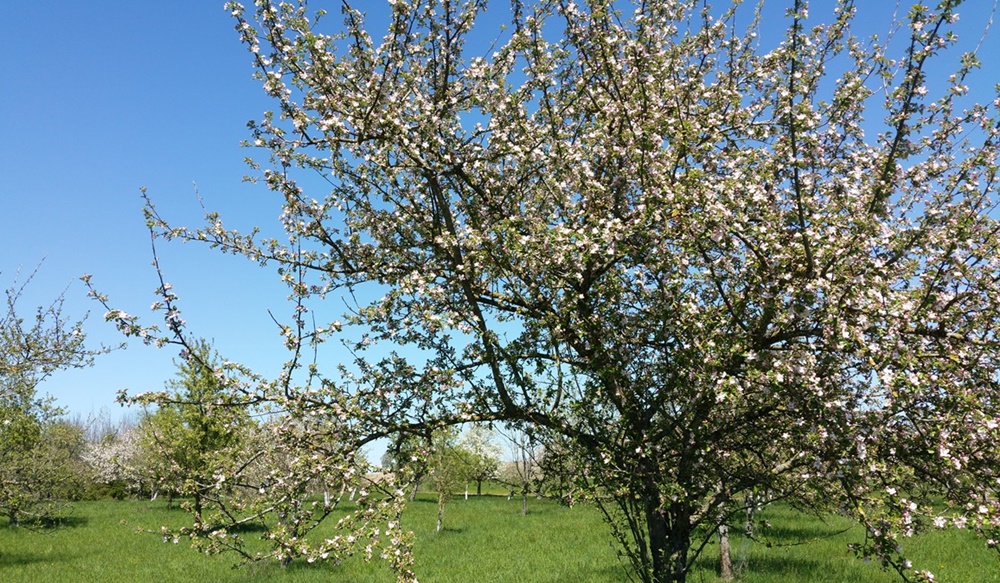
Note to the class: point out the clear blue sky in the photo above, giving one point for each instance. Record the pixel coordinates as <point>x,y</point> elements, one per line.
<point>99,99</point>
<point>103,97</point>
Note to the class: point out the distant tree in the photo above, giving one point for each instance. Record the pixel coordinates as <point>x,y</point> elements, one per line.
<point>194,435</point>
<point>117,460</point>
<point>483,454</point>
<point>448,467</point>
<point>38,453</point>
<point>563,475</point>
<point>64,447</point>
<point>523,471</point>
<point>42,471</point>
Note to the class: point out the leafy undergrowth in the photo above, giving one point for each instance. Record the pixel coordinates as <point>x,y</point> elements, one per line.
<point>485,540</point>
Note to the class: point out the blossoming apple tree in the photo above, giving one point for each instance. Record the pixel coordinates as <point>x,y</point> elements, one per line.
<point>38,451</point>
<point>483,454</point>
<point>716,264</point>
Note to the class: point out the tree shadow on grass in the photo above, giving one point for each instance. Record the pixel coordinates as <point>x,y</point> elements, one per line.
<point>783,534</point>
<point>49,524</point>
<point>781,567</point>
<point>10,560</point>
<point>64,522</point>
<point>342,573</point>
<point>247,528</point>
<point>775,568</point>
<point>802,569</point>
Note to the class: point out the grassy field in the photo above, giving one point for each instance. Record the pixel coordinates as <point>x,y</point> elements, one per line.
<point>485,540</point>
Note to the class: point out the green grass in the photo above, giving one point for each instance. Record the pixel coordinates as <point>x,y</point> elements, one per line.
<point>485,540</point>
<point>806,549</point>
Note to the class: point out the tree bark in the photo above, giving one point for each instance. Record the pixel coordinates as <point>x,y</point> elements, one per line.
<point>725,556</point>
<point>669,536</point>
<point>440,519</point>
<point>656,526</point>
<point>197,506</point>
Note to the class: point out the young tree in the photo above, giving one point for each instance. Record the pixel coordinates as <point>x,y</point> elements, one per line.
<point>714,264</point>
<point>38,453</point>
<point>192,436</point>
<point>448,466</point>
<point>524,470</point>
<point>483,454</point>
<point>561,475</point>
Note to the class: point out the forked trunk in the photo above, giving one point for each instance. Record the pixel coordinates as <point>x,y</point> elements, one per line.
<point>669,532</point>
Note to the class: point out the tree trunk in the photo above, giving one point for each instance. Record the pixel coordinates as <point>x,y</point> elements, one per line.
<point>725,556</point>
<point>479,487</point>
<point>197,506</point>
<point>656,526</point>
<point>669,537</point>
<point>440,520</point>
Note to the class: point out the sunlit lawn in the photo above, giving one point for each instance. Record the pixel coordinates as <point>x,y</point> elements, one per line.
<point>485,540</point>
<point>806,549</point>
